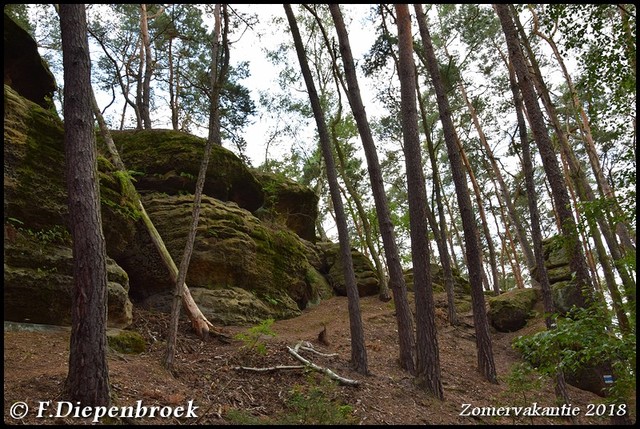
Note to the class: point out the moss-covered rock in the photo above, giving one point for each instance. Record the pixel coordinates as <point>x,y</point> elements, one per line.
<point>366,277</point>
<point>129,342</point>
<point>289,203</point>
<point>509,311</point>
<point>38,283</point>
<point>169,161</point>
<point>461,285</point>
<point>233,249</point>
<point>36,210</point>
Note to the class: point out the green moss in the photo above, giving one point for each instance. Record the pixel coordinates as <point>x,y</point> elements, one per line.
<point>129,342</point>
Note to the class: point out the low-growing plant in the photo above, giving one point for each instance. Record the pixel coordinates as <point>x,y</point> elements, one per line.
<point>252,338</point>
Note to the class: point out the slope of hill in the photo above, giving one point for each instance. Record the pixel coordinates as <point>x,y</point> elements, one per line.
<point>35,366</point>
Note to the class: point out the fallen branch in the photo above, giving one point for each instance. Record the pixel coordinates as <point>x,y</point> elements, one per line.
<point>311,349</point>
<point>327,371</point>
<point>268,369</point>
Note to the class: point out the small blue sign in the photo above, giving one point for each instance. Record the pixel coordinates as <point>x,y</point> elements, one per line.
<point>608,379</point>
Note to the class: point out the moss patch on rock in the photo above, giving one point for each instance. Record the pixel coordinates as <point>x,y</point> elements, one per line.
<point>169,161</point>
<point>292,204</point>
<point>509,311</point>
<point>128,342</point>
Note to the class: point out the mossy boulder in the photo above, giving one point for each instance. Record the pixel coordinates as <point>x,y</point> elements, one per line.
<point>38,283</point>
<point>333,268</point>
<point>461,285</point>
<point>510,311</point>
<point>128,342</point>
<point>289,203</point>
<point>168,161</point>
<point>233,249</point>
<point>36,218</point>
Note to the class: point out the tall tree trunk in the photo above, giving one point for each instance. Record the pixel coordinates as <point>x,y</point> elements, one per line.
<point>88,377</point>
<point>396,277</point>
<point>515,219</point>
<point>439,232</point>
<point>384,293</point>
<point>483,221</point>
<point>188,247</point>
<point>427,356</point>
<point>550,162</point>
<point>577,172</point>
<point>145,104</point>
<point>513,260</point>
<point>486,364</point>
<point>606,192</point>
<point>536,233</point>
<point>219,70</point>
<point>358,349</point>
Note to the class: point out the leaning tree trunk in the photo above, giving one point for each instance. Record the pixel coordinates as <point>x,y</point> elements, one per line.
<point>536,233</point>
<point>188,247</point>
<point>358,349</point>
<point>486,364</point>
<point>198,321</point>
<point>549,160</point>
<point>396,276</point>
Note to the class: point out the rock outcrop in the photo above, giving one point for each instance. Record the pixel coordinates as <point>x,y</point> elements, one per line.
<point>255,255</point>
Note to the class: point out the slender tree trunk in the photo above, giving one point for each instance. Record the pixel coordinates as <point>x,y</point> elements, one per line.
<point>88,377</point>
<point>358,349</point>
<point>439,233</point>
<point>577,172</point>
<point>536,233</point>
<point>483,221</point>
<point>396,277</point>
<point>427,356</point>
<point>486,364</point>
<point>513,260</point>
<point>173,93</point>
<point>550,162</point>
<point>515,219</point>
<point>606,191</point>
<point>145,105</point>
<point>384,294</point>
<point>188,247</point>
<point>219,70</point>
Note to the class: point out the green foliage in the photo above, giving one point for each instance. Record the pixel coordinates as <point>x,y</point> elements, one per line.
<point>253,336</point>
<point>309,405</point>
<point>582,341</point>
<point>521,380</point>
<point>57,234</point>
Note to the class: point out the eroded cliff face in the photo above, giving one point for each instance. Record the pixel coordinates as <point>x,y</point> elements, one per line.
<point>255,254</point>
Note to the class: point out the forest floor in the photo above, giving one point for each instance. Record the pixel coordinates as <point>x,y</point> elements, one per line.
<point>206,372</point>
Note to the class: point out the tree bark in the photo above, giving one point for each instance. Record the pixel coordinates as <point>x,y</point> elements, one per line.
<point>536,233</point>
<point>88,377</point>
<point>486,364</point>
<point>549,160</point>
<point>396,276</point>
<point>358,349</point>
<point>427,356</point>
<point>439,233</point>
<point>145,100</point>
